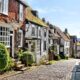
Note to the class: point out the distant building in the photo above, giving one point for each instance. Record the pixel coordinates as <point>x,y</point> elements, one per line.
<point>73,46</point>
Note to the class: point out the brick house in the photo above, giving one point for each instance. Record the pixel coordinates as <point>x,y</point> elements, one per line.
<point>12,23</point>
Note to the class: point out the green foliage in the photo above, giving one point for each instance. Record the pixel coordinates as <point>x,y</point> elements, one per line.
<point>20,52</point>
<point>56,57</point>
<point>4,58</point>
<point>10,64</point>
<point>27,58</point>
<point>63,56</point>
<point>66,57</point>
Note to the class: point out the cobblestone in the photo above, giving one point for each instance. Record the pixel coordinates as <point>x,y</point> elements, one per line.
<point>61,70</point>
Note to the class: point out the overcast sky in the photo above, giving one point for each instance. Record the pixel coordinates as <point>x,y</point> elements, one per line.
<point>63,13</point>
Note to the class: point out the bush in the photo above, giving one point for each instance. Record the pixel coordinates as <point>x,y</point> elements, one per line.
<point>66,57</point>
<point>10,64</point>
<point>56,57</point>
<point>62,56</point>
<point>4,58</point>
<point>20,52</point>
<point>27,58</point>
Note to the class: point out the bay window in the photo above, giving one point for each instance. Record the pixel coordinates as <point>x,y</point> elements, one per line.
<point>4,6</point>
<point>4,36</point>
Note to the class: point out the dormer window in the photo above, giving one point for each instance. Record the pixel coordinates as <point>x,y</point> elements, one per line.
<point>4,7</point>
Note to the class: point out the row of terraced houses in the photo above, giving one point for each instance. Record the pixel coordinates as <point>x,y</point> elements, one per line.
<point>21,28</point>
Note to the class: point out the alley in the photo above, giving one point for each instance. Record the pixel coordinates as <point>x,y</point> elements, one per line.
<point>61,70</point>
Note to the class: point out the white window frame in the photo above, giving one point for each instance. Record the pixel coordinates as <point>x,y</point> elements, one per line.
<point>21,12</point>
<point>21,43</point>
<point>33,27</point>
<point>4,6</point>
<point>39,32</point>
<point>5,36</point>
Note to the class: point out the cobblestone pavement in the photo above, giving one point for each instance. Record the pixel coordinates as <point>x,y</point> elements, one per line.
<point>61,70</point>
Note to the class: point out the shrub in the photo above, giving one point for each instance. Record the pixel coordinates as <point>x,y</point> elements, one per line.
<point>56,57</point>
<point>62,56</point>
<point>20,52</point>
<point>4,58</point>
<point>27,58</point>
<point>10,64</point>
<point>66,57</point>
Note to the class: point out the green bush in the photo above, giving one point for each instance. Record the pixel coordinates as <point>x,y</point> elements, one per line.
<point>4,58</point>
<point>10,64</point>
<point>56,57</point>
<point>27,58</point>
<point>66,57</point>
<point>62,56</point>
<point>20,52</point>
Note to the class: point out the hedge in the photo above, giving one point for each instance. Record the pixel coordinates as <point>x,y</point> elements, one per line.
<point>4,57</point>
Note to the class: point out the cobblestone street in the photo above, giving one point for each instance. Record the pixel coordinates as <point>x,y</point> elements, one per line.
<point>61,70</point>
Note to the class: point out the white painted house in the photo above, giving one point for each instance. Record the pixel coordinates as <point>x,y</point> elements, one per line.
<point>36,35</point>
<point>64,42</point>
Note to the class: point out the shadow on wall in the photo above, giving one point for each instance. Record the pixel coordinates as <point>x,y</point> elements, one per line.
<point>76,73</point>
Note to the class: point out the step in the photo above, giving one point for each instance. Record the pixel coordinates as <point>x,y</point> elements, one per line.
<point>23,69</point>
<point>20,65</point>
<point>18,62</point>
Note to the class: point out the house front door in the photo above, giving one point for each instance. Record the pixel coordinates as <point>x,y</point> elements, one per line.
<point>11,45</point>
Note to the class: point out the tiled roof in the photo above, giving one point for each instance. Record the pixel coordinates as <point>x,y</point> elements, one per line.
<point>30,17</point>
<point>23,2</point>
<point>53,35</point>
<point>62,34</point>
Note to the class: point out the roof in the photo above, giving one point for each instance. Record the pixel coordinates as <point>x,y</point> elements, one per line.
<point>30,17</point>
<point>62,34</point>
<point>23,2</point>
<point>53,35</point>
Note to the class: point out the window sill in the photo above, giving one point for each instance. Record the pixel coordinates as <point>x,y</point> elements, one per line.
<point>6,14</point>
<point>7,46</point>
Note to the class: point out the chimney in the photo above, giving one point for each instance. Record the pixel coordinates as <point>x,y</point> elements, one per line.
<point>35,13</point>
<point>43,19</point>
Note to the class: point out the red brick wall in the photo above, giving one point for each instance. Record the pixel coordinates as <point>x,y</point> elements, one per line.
<point>13,9</point>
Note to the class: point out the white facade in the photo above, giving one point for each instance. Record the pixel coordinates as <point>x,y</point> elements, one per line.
<point>39,35</point>
<point>66,45</point>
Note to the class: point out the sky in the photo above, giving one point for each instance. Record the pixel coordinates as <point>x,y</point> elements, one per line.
<point>62,13</point>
